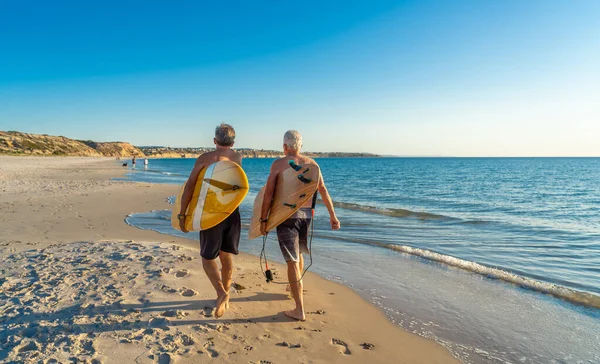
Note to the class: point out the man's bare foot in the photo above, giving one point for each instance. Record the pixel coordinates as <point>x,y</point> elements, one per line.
<point>227,303</point>
<point>296,314</point>
<point>222,304</point>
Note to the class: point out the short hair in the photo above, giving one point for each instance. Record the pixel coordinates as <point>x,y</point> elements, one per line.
<point>293,139</point>
<point>225,135</point>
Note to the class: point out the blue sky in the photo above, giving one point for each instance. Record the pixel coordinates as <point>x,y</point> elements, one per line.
<point>464,78</point>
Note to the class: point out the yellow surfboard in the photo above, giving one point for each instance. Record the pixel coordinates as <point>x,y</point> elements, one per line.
<point>220,189</point>
<point>295,186</point>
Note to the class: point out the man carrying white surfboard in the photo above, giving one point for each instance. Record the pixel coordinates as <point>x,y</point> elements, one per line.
<point>293,232</point>
<point>222,240</point>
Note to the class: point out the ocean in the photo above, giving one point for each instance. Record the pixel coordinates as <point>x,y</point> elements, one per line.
<point>497,259</point>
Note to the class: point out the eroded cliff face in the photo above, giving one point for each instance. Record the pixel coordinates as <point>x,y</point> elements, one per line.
<point>17,143</point>
<point>35,144</point>
<point>115,149</point>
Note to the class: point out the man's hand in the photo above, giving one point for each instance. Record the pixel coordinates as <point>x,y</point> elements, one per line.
<point>263,228</point>
<point>335,223</point>
<point>182,225</point>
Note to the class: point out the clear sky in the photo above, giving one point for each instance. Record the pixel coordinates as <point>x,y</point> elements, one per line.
<point>452,78</point>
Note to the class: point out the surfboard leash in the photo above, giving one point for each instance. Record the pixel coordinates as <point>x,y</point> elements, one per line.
<point>263,255</point>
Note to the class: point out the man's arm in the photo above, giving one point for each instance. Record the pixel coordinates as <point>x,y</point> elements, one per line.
<point>335,223</point>
<point>190,185</point>
<point>268,198</point>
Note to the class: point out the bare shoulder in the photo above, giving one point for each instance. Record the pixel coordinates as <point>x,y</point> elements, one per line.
<point>279,165</point>
<point>310,161</point>
<point>206,158</point>
<point>201,159</point>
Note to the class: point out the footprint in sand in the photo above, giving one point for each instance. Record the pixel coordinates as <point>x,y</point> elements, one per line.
<point>341,343</point>
<point>158,322</point>
<point>208,347</point>
<point>174,313</point>
<point>367,346</point>
<point>164,358</point>
<point>208,311</point>
<point>188,292</point>
<point>187,340</point>
<point>167,289</point>
<point>181,273</point>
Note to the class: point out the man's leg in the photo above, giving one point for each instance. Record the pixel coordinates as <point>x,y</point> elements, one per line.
<point>226,272</point>
<point>294,274</point>
<point>212,271</point>
<point>287,288</point>
<point>288,236</point>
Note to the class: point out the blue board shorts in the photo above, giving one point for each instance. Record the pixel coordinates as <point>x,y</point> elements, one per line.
<point>224,236</point>
<point>293,235</point>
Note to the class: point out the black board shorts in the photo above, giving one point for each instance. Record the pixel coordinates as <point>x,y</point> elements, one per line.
<point>293,235</point>
<point>225,236</point>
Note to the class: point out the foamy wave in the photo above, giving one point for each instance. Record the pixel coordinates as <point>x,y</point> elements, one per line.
<point>571,295</point>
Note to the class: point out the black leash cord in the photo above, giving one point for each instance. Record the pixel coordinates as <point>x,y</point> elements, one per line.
<point>268,274</point>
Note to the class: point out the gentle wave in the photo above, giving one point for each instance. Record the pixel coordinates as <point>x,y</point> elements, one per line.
<point>475,222</point>
<point>391,211</point>
<point>388,211</point>
<point>159,172</point>
<point>568,294</point>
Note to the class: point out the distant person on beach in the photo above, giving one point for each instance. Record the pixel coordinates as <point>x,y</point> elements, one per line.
<point>145,162</point>
<point>223,240</point>
<point>293,233</point>
<point>133,161</point>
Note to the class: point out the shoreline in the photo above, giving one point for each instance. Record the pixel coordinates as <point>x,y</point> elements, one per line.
<point>569,294</point>
<point>92,213</point>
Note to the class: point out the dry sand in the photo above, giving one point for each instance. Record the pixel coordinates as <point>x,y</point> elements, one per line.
<point>79,285</point>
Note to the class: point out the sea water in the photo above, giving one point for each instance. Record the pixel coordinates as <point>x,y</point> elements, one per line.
<point>498,259</point>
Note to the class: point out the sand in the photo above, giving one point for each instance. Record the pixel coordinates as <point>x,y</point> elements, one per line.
<point>77,284</point>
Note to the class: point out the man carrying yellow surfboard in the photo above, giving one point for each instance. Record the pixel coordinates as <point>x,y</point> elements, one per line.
<point>293,232</point>
<point>222,240</point>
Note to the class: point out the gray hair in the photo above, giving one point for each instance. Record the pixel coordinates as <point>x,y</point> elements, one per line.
<point>225,135</point>
<point>293,139</point>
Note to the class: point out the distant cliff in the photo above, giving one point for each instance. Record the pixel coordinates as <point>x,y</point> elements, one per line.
<point>115,149</point>
<point>17,143</point>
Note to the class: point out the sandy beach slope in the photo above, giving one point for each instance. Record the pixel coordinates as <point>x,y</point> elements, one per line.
<point>79,285</point>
